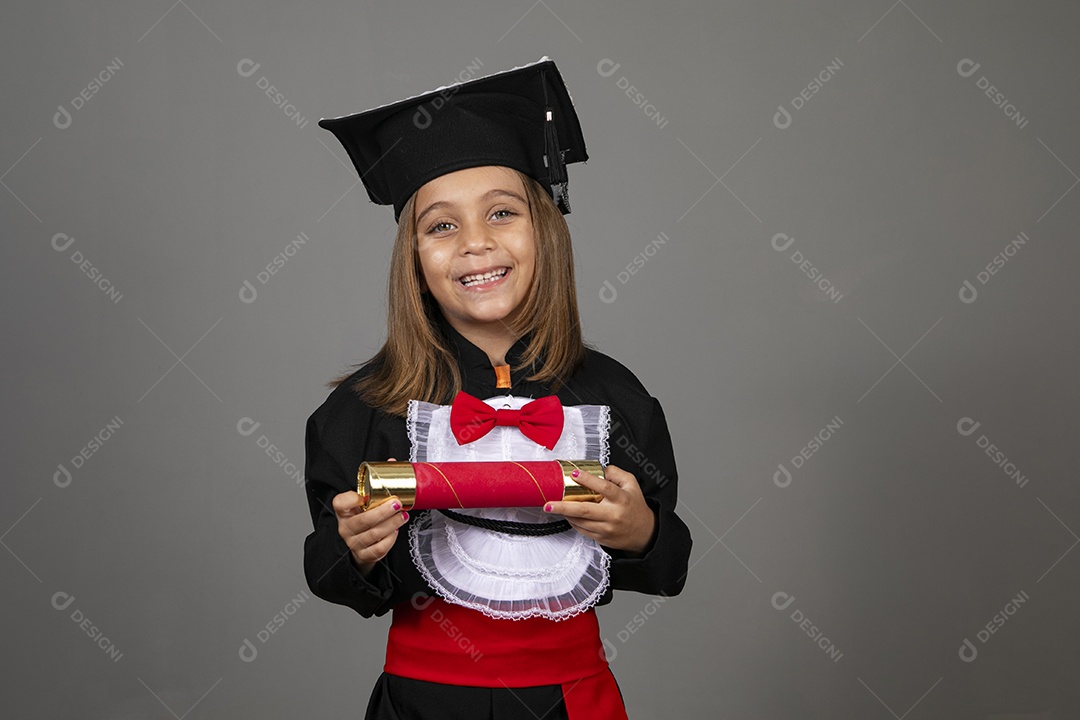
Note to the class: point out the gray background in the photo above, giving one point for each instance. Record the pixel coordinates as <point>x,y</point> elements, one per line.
<point>899,538</point>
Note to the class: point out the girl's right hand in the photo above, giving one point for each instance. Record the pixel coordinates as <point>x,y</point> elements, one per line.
<point>369,534</point>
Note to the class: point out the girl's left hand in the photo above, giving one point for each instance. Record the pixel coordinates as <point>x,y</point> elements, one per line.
<point>622,520</point>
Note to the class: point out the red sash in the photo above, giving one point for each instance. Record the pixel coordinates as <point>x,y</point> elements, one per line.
<point>436,641</point>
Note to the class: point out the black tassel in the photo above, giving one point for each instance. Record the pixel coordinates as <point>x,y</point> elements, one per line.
<point>553,157</point>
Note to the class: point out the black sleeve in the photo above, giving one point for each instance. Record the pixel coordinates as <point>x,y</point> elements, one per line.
<point>328,564</point>
<point>662,568</point>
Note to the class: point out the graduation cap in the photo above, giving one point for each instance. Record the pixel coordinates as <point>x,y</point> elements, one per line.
<point>522,119</point>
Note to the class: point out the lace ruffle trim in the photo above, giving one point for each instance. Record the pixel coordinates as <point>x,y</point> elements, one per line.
<point>585,593</point>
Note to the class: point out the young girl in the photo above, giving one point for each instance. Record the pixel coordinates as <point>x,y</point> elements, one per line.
<point>493,610</point>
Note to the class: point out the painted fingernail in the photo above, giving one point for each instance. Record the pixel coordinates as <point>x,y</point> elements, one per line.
<point>397,505</point>
<point>575,473</point>
<point>547,508</point>
<point>404,516</point>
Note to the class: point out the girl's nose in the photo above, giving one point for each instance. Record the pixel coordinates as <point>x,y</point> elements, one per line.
<point>475,238</point>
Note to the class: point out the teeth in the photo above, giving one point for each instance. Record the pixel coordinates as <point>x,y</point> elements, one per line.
<point>478,278</point>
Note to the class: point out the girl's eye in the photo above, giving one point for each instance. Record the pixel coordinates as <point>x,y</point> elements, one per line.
<point>440,227</point>
<point>503,214</point>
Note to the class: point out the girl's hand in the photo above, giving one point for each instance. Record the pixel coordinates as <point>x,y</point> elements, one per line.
<point>622,520</point>
<point>369,534</point>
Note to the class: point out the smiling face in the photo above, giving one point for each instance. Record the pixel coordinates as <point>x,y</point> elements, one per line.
<point>477,248</point>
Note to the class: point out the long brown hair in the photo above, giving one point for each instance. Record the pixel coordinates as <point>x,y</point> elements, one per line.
<point>416,362</point>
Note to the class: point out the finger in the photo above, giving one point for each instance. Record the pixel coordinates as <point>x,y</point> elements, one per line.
<point>381,548</point>
<point>372,517</point>
<point>606,488</point>
<point>347,504</point>
<point>374,535</point>
<point>376,552</point>
<point>578,509</point>
<point>590,529</point>
<point>621,478</point>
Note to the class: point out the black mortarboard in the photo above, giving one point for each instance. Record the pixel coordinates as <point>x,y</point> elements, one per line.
<point>522,119</point>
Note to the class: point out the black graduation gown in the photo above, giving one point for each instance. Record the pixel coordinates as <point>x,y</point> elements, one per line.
<point>345,431</point>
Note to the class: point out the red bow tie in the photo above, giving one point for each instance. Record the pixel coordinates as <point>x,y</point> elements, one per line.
<point>540,420</point>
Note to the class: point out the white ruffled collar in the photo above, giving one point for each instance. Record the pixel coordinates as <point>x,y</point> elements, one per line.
<point>508,576</point>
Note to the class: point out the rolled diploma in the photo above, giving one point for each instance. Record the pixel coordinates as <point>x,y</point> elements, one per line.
<point>444,485</point>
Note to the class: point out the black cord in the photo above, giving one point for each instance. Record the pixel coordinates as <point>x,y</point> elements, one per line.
<point>509,526</point>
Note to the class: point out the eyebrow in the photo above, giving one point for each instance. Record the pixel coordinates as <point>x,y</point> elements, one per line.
<point>495,192</point>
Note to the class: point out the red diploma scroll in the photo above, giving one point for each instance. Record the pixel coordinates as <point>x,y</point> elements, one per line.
<point>444,485</point>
